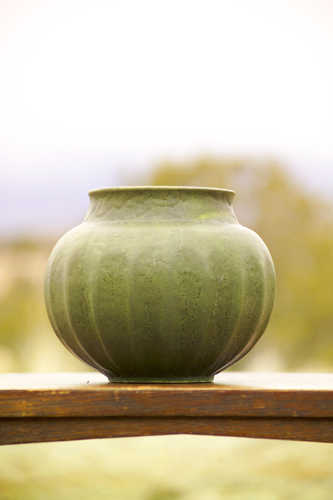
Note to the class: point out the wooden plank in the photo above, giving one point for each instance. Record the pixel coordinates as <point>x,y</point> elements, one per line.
<point>52,407</point>
<point>233,394</point>
<point>34,430</point>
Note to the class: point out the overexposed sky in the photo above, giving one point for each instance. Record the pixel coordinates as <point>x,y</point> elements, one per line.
<point>91,87</point>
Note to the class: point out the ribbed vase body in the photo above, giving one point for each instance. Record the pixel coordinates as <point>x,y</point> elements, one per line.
<point>160,285</point>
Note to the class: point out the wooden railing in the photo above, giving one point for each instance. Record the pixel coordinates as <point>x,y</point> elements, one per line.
<point>70,406</point>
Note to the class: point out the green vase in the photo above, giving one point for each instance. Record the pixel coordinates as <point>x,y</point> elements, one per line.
<point>160,284</point>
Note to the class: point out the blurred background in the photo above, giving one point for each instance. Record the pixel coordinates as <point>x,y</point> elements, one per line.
<point>235,94</point>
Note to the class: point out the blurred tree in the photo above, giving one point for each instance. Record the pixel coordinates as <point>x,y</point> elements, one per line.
<point>297,227</point>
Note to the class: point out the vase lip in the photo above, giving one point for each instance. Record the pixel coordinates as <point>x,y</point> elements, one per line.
<point>159,188</point>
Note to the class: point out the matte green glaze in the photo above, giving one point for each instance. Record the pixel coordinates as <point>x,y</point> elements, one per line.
<point>160,284</point>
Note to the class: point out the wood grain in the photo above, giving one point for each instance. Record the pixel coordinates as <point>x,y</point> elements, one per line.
<point>53,407</point>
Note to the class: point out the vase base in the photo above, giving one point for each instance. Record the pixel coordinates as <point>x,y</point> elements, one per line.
<point>162,380</point>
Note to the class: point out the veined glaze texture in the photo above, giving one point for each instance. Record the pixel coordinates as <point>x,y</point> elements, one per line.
<point>160,284</point>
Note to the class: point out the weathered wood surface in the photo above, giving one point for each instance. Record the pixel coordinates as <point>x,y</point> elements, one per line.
<point>56,407</point>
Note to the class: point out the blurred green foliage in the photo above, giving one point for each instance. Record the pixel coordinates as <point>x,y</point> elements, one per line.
<point>297,227</point>
<point>167,468</point>
<point>27,341</point>
<point>18,310</point>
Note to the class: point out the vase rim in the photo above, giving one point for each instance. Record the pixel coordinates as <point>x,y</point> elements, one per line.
<point>159,188</point>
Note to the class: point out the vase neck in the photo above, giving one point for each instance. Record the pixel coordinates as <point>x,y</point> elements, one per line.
<point>158,204</point>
